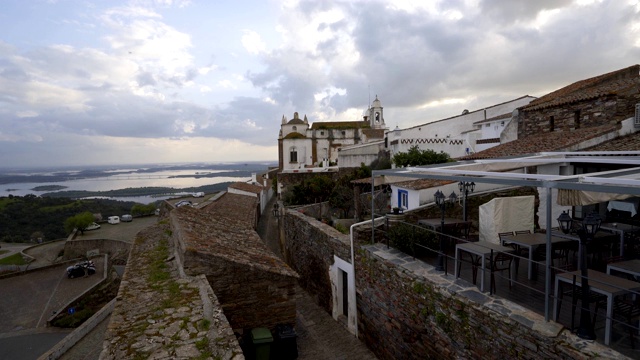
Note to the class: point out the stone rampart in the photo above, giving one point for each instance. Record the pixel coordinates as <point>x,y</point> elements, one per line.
<point>160,314</point>
<point>407,310</point>
<point>117,250</point>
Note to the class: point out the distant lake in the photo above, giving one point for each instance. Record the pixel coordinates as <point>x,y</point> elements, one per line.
<point>122,177</point>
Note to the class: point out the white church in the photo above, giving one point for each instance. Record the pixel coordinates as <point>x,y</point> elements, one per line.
<point>303,147</point>
<point>323,146</point>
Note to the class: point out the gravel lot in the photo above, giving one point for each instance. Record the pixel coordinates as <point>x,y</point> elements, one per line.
<point>124,231</point>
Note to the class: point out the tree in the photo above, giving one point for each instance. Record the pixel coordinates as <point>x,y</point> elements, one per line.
<point>79,221</point>
<point>140,209</point>
<point>416,157</point>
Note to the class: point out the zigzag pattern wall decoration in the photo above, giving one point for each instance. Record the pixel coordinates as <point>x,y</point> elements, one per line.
<point>432,141</point>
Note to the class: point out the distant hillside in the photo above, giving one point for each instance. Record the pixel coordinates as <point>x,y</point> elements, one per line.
<point>24,217</point>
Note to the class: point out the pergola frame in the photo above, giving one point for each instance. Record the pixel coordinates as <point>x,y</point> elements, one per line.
<point>495,171</point>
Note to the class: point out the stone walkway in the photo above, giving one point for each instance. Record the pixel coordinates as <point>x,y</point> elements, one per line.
<point>320,337</point>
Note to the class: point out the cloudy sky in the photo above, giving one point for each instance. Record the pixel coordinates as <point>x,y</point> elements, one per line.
<point>115,82</point>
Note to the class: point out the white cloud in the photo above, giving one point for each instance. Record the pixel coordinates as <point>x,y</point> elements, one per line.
<point>252,42</point>
<point>227,84</point>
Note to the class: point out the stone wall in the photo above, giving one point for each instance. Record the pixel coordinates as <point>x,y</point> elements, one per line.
<point>117,250</point>
<point>309,249</point>
<point>160,313</point>
<point>250,297</point>
<point>407,310</point>
<point>608,108</point>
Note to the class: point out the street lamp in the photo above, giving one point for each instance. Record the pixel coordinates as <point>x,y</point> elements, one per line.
<point>465,188</point>
<point>590,226</point>
<point>441,201</point>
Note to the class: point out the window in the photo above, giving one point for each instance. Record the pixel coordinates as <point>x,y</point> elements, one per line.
<point>344,133</point>
<point>293,155</point>
<point>322,133</point>
<point>377,117</point>
<point>295,128</point>
<point>552,124</point>
<point>403,199</point>
<point>576,119</point>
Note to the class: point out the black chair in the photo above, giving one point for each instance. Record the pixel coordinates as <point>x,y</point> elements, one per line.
<point>500,262</point>
<point>628,310</point>
<point>475,261</point>
<point>575,292</point>
<point>520,252</point>
<point>502,235</point>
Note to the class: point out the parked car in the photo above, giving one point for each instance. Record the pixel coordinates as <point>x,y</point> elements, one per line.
<point>92,226</point>
<point>113,220</point>
<point>81,269</point>
<point>126,218</point>
<point>183,203</point>
<point>198,194</point>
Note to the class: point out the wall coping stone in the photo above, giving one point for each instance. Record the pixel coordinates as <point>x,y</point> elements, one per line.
<point>528,318</point>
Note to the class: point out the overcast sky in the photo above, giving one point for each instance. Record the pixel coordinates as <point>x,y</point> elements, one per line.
<point>117,82</point>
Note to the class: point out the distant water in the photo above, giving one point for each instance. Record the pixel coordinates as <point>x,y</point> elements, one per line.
<point>21,182</point>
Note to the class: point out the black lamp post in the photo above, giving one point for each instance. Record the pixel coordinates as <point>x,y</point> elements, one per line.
<point>465,188</point>
<point>590,225</point>
<point>441,201</point>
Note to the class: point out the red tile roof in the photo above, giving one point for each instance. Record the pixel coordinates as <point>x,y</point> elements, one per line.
<point>422,184</point>
<point>548,141</point>
<point>256,189</point>
<point>605,84</point>
<point>339,125</point>
<point>225,229</point>
<point>629,142</point>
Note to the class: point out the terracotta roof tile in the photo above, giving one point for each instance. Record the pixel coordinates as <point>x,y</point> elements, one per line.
<point>256,189</point>
<point>605,84</point>
<point>225,230</point>
<point>339,125</point>
<point>422,184</point>
<point>374,133</point>
<point>549,141</point>
<point>629,142</point>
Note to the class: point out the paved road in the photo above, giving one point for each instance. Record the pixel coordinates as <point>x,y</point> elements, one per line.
<point>29,346</point>
<point>28,300</point>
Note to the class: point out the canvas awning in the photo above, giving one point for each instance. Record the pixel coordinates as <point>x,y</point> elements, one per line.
<point>580,198</point>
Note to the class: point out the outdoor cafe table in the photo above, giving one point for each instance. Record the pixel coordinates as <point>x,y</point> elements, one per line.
<point>435,223</point>
<point>482,249</point>
<point>631,267</point>
<point>574,237</point>
<point>620,229</point>
<point>531,241</point>
<point>601,283</point>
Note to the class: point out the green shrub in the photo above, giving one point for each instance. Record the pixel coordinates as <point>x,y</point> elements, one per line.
<point>406,237</point>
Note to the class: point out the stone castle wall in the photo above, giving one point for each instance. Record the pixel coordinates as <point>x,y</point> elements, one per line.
<point>309,249</point>
<point>117,250</point>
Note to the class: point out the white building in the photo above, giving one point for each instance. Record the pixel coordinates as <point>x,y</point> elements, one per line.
<point>301,145</point>
<point>464,134</point>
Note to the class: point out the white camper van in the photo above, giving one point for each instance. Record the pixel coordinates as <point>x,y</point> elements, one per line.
<point>113,220</point>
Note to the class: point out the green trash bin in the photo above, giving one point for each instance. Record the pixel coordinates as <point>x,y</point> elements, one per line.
<point>261,339</point>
